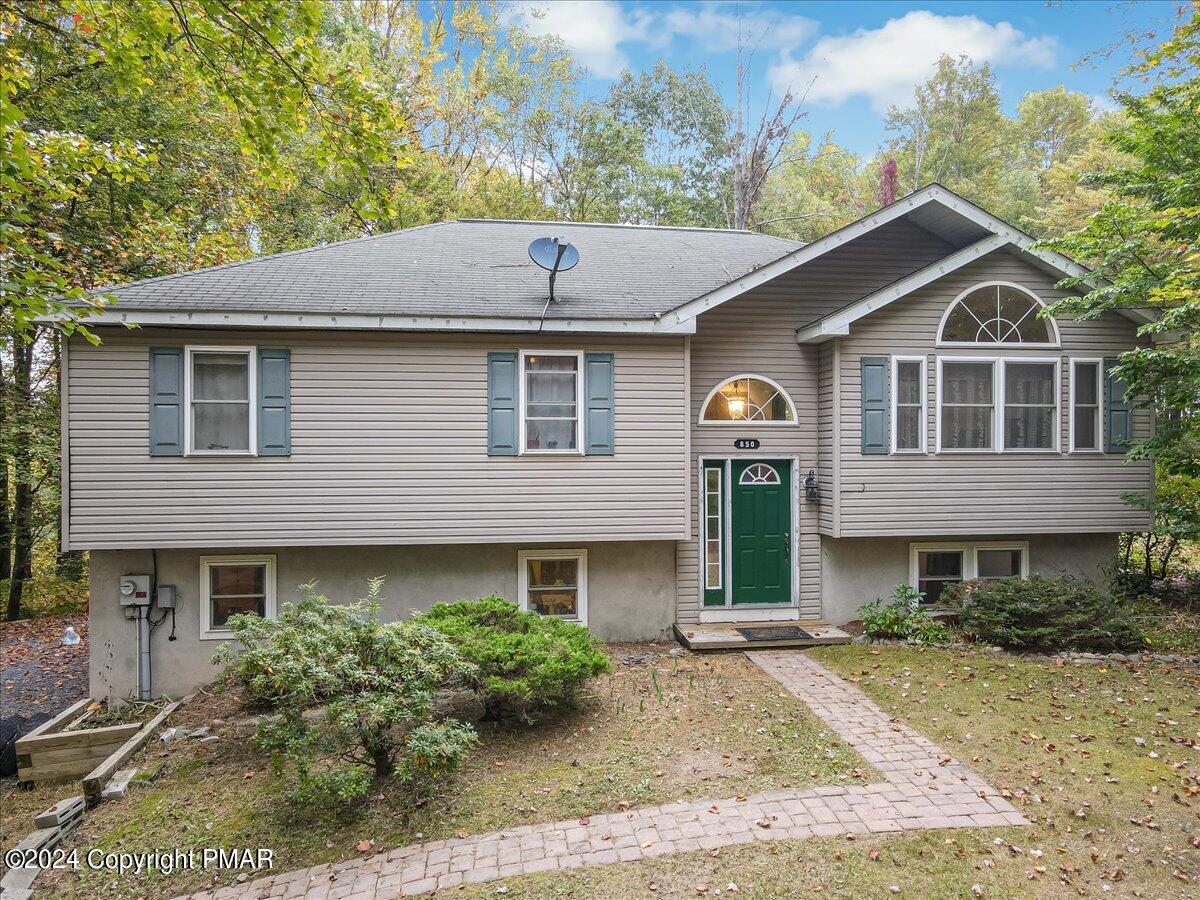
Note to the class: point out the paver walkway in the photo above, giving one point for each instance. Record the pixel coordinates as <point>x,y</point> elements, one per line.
<point>925,788</point>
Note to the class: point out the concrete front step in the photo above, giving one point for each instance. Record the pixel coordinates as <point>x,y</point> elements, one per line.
<point>728,636</point>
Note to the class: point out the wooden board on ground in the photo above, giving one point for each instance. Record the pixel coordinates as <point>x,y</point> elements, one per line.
<point>68,754</point>
<point>93,784</point>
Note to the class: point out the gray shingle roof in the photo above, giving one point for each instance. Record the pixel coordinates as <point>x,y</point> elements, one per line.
<point>472,268</point>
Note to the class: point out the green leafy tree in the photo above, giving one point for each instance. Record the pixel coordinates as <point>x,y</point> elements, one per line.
<point>817,188</point>
<point>1143,245</point>
<point>376,686</point>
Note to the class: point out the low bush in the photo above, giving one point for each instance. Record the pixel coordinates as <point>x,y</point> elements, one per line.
<point>1042,614</point>
<point>525,663</point>
<point>375,684</point>
<point>901,616</point>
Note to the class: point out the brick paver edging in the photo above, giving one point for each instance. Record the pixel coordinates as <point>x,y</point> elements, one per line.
<point>925,788</point>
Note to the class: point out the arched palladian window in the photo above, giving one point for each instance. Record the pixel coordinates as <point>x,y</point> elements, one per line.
<point>997,313</point>
<point>748,398</point>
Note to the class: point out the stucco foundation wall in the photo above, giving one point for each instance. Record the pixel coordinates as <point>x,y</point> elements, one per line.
<point>631,596</point>
<point>857,570</point>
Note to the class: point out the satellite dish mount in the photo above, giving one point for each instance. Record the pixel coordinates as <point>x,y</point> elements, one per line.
<point>555,255</point>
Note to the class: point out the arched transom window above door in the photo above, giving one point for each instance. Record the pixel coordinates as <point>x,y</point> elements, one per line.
<point>748,398</point>
<point>759,473</point>
<point>997,313</point>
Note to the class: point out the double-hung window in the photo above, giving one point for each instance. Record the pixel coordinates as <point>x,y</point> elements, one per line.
<point>908,414</point>
<point>1085,405</point>
<point>1030,405</point>
<point>967,405</point>
<point>551,397</point>
<point>234,584</point>
<point>220,387</point>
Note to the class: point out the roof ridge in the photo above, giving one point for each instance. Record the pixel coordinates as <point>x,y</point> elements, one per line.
<point>624,225</point>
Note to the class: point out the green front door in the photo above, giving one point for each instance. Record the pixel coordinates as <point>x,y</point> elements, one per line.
<point>761,493</point>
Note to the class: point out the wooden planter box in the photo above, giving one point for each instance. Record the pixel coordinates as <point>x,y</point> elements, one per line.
<point>48,753</point>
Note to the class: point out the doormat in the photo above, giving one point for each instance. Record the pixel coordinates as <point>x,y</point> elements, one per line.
<point>775,633</point>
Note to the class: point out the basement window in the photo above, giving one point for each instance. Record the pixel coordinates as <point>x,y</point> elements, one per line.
<point>230,585</point>
<point>554,583</point>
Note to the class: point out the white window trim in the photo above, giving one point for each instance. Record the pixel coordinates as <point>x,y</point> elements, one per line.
<point>748,423</point>
<point>970,556</point>
<point>1099,364</point>
<point>251,385</point>
<point>207,631</point>
<point>523,557</point>
<point>1024,290</point>
<point>924,380</point>
<point>999,364</point>
<point>997,409</point>
<point>580,417</point>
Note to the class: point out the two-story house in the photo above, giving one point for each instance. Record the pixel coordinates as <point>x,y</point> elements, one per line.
<point>635,455</point>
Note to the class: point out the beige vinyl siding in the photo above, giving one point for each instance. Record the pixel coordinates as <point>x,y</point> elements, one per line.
<point>828,411</point>
<point>981,493</point>
<point>389,446</point>
<point>756,333</point>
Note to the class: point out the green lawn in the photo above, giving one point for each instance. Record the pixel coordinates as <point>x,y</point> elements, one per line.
<point>712,726</point>
<point>1103,760</point>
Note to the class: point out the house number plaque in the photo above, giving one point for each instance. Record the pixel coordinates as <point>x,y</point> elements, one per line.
<point>746,444</point>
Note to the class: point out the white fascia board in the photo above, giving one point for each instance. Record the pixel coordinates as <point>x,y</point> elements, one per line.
<point>327,321</point>
<point>839,323</point>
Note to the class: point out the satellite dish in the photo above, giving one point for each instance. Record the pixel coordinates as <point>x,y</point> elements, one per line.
<point>555,255</point>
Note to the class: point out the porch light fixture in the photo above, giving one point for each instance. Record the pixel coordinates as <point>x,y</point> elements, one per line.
<point>737,407</point>
<point>811,491</point>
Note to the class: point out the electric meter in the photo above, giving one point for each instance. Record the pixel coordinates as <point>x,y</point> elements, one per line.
<point>135,590</point>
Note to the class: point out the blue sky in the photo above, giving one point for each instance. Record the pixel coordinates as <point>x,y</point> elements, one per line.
<point>851,60</point>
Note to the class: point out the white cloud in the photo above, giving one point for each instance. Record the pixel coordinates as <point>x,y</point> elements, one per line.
<point>593,30</point>
<point>883,64</point>
<point>716,26</point>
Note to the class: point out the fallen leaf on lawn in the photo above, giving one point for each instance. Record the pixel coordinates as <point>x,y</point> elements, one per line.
<point>363,846</point>
<point>874,854</point>
<point>977,890</point>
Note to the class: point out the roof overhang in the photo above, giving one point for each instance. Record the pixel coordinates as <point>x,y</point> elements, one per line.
<point>359,322</point>
<point>992,234</point>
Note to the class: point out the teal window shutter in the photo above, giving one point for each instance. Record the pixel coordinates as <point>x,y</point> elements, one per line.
<point>166,401</point>
<point>274,402</point>
<point>1118,417</point>
<point>502,403</point>
<point>598,385</point>
<point>876,404</point>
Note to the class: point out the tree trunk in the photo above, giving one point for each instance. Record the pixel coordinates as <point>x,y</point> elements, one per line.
<point>22,514</point>
<point>5,527</point>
